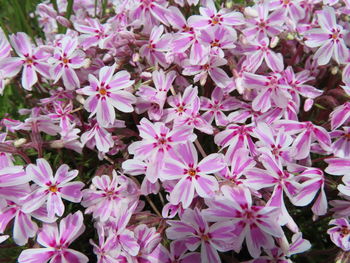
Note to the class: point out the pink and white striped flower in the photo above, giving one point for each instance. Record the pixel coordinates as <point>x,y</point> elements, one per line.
<point>158,44</point>
<point>257,225</point>
<point>32,60</point>
<point>307,133</point>
<point>106,93</point>
<point>66,59</point>
<point>329,37</point>
<point>340,233</point>
<point>214,108</point>
<point>93,33</point>
<point>194,231</point>
<point>340,115</point>
<point>259,51</point>
<point>157,141</point>
<point>264,24</point>
<point>51,189</point>
<point>109,196</point>
<point>56,241</point>
<point>193,176</point>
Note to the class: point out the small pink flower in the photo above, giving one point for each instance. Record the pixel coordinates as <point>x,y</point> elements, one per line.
<point>51,189</point>
<point>194,231</point>
<point>66,59</point>
<point>340,233</point>
<point>193,176</point>
<point>107,93</point>
<point>330,38</point>
<point>55,241</point>
<point>32,60</point>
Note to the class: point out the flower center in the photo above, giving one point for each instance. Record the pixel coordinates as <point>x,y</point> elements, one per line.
<point>192,172</point>
<point>29,61</point>
<point>65,60</point>
<point>162,141</point>
<point>53,188</point>
<point>286,2</point>
<point>205,237</point>
<point>103,91</point>
<point>345,231</point>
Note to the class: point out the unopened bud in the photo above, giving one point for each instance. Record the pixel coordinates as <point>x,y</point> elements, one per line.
<point>250,12</point>
<point>274,42</point>
<point>47,10</point>
<point>63,21</point>
<point>19,142</point>
<point>80,99</point>
<point>87,63</point>
<point>58,144</point>
<point>334,70</point>
<point>136,57</point>
<point>290,36</point>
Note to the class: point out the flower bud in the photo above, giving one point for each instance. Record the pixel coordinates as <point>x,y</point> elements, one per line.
<point>19,142</point>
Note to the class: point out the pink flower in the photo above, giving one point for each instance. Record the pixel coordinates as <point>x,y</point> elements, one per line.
<point>194,231</point>
<point>340,115</point>
<point>149,13</point>
<point>51,189</point>
<point>274,176</point>
<point>97,136</point>
<point>178,253</point>
<point>214,108</point>
<point>210,17</point>
<point>181,104</point>
<point>107,93</point>
<point>307,133</point>
<point>295,9</point>
<point>211,68</point>
<point>23,225</point>
<point>157,141</point>
<point>109,196</point>
<point>55,241</point>
<point>270,92</point>
<point>259,51</point>
<point>256,225</point>
<point>66,59</point>
<point>93,33</point>
<point>32,60</point>
<point>265,24</point>
<point>193,176</point>
<point>340,233</point>
<point>338,166</point>
<point>341,146</point>
<point>153,99</point>
<point>157,44</point>
<point>330,38</point>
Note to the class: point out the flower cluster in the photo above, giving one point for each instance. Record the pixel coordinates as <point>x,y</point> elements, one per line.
<point>177,131</point>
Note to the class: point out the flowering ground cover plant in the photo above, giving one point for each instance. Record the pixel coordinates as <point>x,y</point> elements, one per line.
<point>184,131</point>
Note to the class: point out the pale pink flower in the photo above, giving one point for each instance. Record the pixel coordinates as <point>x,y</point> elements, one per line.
<point>214,108</point>
<point>32,60</point>
<point>329,37</point>
<point>158,44</point>
<point>265,24</point>
<point>109,196</point>
<point>257,225</point>
<point>107,93</point>
<point>292,8</point>
<point>97,136</point>
<point>157,141</point>
<point>307,133</point>
<point>93,33</point>
<point>55,241</point>
<point>51,189</point>
<point>211,68</point>
<point>66,59</point>
<point>341,145</point>
<point>193,176</point>
<point>194,231</point>
<point>340,233</point>
<point>153,99</point>
<point>259,51</point>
